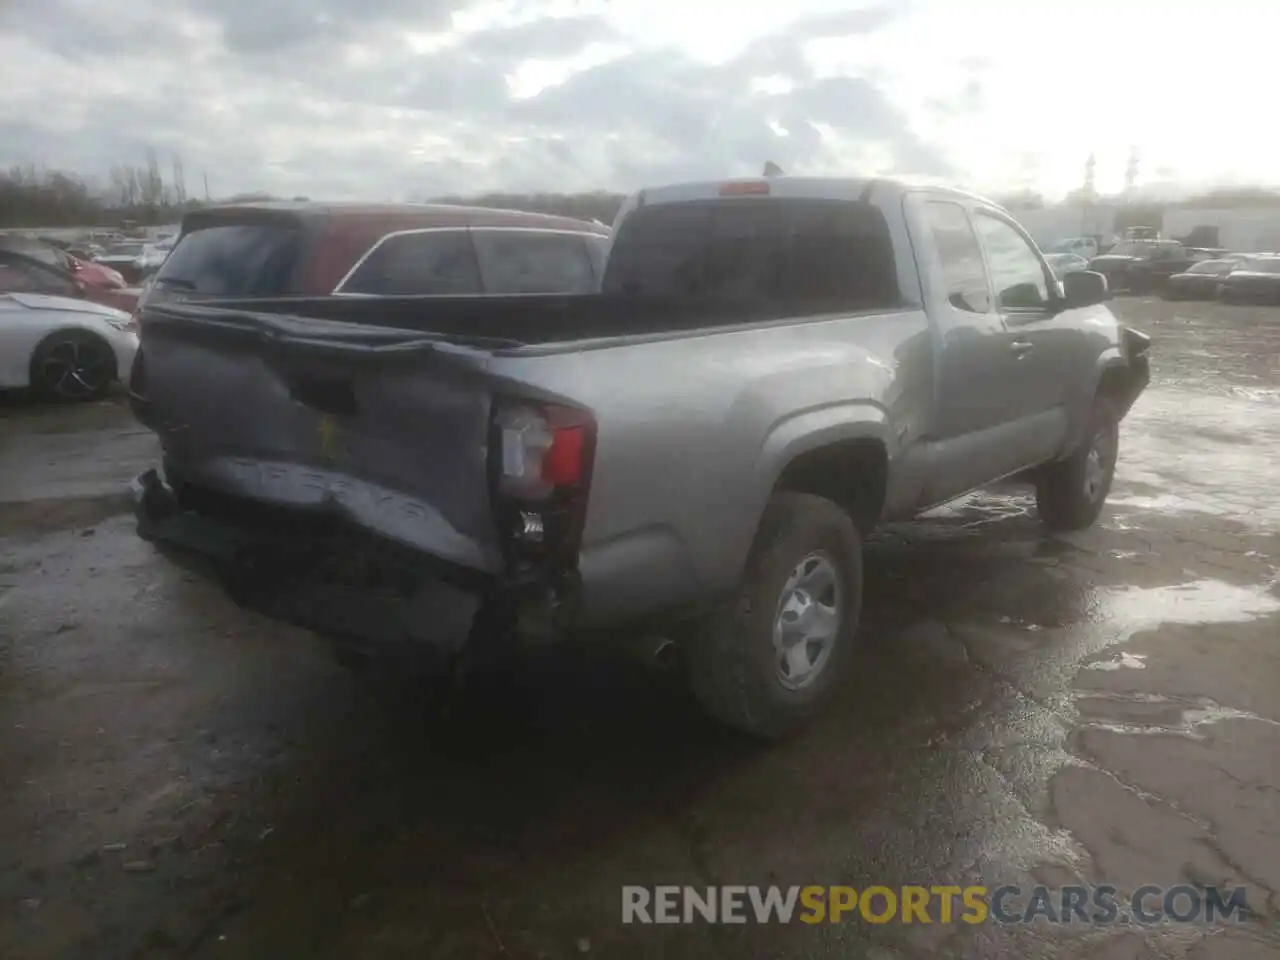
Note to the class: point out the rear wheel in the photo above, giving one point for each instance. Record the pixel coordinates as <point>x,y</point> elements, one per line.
<point>1070,494</point>
<point>775,656</point>
<point>72,365</point>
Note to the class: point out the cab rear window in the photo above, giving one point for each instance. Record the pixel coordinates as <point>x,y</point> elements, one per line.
<point>801,252</point>
<point>233,260</point>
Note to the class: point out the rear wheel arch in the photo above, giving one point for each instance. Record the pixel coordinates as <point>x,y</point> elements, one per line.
<point>1112,380</point>
<point>852,473</point>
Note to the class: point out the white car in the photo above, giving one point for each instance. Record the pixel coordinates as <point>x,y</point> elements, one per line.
<point>63,349</point>
<point>123,256</point>
<point>153,256</point>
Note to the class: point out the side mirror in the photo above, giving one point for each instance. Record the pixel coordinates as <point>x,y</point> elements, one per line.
<point>1084,288</point>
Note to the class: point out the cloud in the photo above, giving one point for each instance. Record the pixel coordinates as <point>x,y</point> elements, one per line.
<point>275,27</point>
<point>400,98</point>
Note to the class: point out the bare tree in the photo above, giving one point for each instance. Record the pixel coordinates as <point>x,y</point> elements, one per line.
<point>179,181</point>
<point>152,181</point>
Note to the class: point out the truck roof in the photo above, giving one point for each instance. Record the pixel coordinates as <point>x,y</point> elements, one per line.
<point>417,214</point>
<point>821,188</point>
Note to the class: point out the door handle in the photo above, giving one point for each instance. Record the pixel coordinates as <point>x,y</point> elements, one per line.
<point>1020,348</point>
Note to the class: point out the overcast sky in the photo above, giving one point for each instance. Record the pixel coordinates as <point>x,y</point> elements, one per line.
<point>416,98</point>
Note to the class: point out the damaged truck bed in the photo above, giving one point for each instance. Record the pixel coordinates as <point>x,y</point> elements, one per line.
<point>367,467</point>
<point>773,368</point>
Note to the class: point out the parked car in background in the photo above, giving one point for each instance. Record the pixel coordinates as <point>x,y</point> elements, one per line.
<point>1200,281</point>
<point>100,280</point>
<point>153,256</point>
<point>1141,233</point>
<point>772,368</point>
<point>1086,247</point>
<point>63,348</point>
<point>88,252</point>
<point>307,248</point>
<point>1141,266</point>
<point>23,273</point>
<point>125,257</point>
<point>1207,253</point>
<point>1255,281</point>
<point>1063,263</point>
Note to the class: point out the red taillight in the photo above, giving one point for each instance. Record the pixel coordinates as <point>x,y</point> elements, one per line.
<point>540,457</point>
<point>562,464</point>
<point>543,448</point>
<point>745,188</point>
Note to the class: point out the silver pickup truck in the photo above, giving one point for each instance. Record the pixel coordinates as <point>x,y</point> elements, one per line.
<point>773,367</point>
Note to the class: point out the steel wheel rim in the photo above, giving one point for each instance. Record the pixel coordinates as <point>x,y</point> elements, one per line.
<point>75,369</point>
<point>807,621</point>
<point>1100,459</point>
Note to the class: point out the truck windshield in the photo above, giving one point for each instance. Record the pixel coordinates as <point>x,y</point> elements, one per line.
<point>807,252</point>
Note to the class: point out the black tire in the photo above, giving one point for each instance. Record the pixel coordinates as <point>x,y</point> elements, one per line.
<point>72,366</point>
<point>734,669</point>
<point>1070,494</point>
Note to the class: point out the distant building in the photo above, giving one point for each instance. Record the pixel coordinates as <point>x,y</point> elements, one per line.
<point>1242,229</point>
<point>1048,225</point>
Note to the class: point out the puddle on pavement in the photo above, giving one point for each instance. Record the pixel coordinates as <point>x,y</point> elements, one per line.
<point>1126,661</point>
<point>1130,609</point>
<point>1199,453</point>
<point>1191,717</point>
<point>1256,394</point>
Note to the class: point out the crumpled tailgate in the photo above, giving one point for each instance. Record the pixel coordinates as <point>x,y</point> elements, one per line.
<point>384,429</point>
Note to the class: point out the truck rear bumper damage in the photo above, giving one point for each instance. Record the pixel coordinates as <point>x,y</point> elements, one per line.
<point>328,575</point>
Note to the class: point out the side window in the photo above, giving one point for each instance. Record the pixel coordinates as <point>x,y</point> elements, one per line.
<point>439,262</point>
<point>20,275</point>
<point>960,255</point>
<point>525,261</point>
<point>1016,272</point>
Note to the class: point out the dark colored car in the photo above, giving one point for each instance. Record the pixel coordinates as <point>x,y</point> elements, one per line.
<point>1255,281</point>
<point>1200,281</point>
<point>1141,266</point>
<point>1063,263</point>
<point>316,249</point>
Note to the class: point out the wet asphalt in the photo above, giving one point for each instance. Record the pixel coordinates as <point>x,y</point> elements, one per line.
<point>181,778</point>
